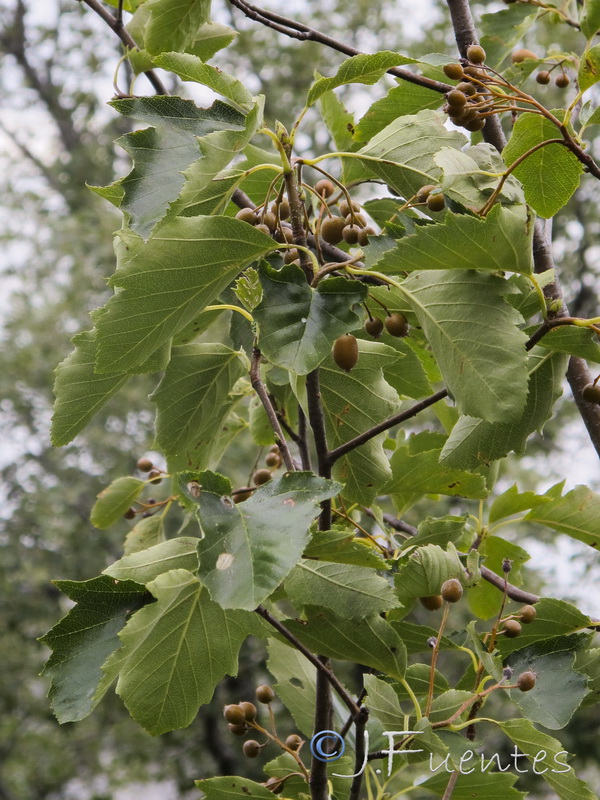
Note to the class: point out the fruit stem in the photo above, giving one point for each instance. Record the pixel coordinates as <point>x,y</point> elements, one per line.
<point>226,307</point>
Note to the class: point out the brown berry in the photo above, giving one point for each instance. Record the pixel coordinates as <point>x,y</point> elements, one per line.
<point>456,98</point>
<point>454,71</point>
<point>424,192</point>
<point>363,235</point>
<point>155,476</point>
<point>345,208</point>
<point>526,681</point>
<point>512,628</point>
<point>466,88</point>
<point>543,77</point>
<point>474,125</point>
<point>287,235</point>
<point>129,514</point>
<point>473,72</point>
<point>282,209</point>
<point>436,202</point>
<point>249,710</point>
<point>234,714</point>
<point>242,494</point>
<point>357,219</point>
<point>293,741</point>
<point>144,465</point>
<point>290,255</point>
<point>562,80</point>
<point>247,215</point>
<point>263,228</point>
<point>433,602</point>
<point>270,220</point>
<point>591,393</point>
<point>274,785</point>
<point>521,55</point>
<point>238,730</point>
<point>331,229</point>
<point>274,449</point>
<point>264,694</point>
<point>262,476</point>
<point>397,325</point>
<point>345,352</point>
<point>324,188</point>
<point>527,614</point>
<point>350,234</point>
<point>374,327</point>
<point>272,460</point>
<point>451,590</point>
<point>476,54</point>
<point>251,748</point>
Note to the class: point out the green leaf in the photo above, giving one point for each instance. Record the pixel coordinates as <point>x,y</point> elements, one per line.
<point>404,371</point>
<point>363,68</point>
<point>484,599</point>
<point>114,501</point>
<point>247,550</point>
<point>589,68</point>
<point>403,100</point>
<point>383,703</point>
<point>416,471</point>
<point>145,533</point>
<point>466,177</point>
<point>575,341</point>
<point>554,618</point>
<point>415,637</point>
<point>161,153</point>
<point>175,651</point>
<point>82,641</point>
<point>427,568</point>
<point>340,124</point>
<point>589,18</point>
<point>210,38</point>
<point>473,783</point>
<point>513,502</point>
<point>193,400</point>
<point>588,662</point>
<point>174,24</point>
<point>551,174</point>
<point>164,283</point>
<point>501,241</point>
<point>474,442</point>
<point>354,402</point>
<point>549,758</point>
<point>473,333</point>
<point>342,547</point>
<point>297,325</point>
<point>371,641</point>
<point>80,393</point>
<point>410,143</point>
<point>577,514</point>
<point>349,591</point>
<point>440,531</point>
<point>191,68</point>
<point>230,787</point>
<point>543,704</point>
<point>417,676</point>
<point>502,30</point>
<point>145,566</point>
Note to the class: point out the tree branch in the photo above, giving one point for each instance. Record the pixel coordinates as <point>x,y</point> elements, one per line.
<point>261,391</point>
<point>297,30</point>
<point>352,706</point>
<point>115,25</point>
<point>578,374</point>
<point>360,725</point>
<point>317,423</point>
<point>385,425</point>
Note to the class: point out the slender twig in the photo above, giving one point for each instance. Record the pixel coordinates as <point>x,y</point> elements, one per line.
<point>126,38</point>
<point>434,656</point>
<point>451,784</point>
<point>360,725</point>
<point>386,425</point>
<point>297,30</point>
<point>352,706</point>
<point>261,391</point>
<point>317,423</point>
<point>303,439</point>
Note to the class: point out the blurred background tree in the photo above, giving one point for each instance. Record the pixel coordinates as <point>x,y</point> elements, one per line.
<point>56,134</point>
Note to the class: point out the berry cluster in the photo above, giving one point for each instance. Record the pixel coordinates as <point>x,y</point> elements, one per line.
<point>345,348</point>
<point>467,101</point>
<point>155,475</point>
<point>242,717</point>
<point>261,476</point>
